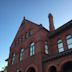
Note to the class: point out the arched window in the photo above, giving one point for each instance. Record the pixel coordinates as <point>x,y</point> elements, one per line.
<point>32,49</point>
<point>13,58</point>
<point>69,41</point>
<point>21,54</point>
<point>26,35</point>
<point>46,47</point>
<point>60,46</point>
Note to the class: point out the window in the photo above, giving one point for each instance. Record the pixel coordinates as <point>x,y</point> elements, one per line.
<point>60,46</point>
<point>32,49</point>
<point>46,47</point>
<point>69,41</point>
<point>13,58</point>
<point>19,41</point>
<point>21,54</point>
<point>26,35</point>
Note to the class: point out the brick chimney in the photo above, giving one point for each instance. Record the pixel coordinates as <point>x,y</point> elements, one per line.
<point>51,23</point>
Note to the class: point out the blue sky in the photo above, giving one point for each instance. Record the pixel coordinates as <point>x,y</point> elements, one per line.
<point>13,11</point>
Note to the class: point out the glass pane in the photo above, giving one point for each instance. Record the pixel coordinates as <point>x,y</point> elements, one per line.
<point>33,53</point>
<point>13,55</point>
<point>21,54</point>
<point>13,60</point>
<point>69,41</point>
<point>60,45</point>
<point>70,46</point>
<point>22,50</point>
<point>26,36</point>
<point>30,53</point>
<point>33,50</point>
<point>33,47</point>
<point>46,46</point>
<point>61,49</point>
<point>46,51</point>
<point>69,36</point>
<point>21,58</point>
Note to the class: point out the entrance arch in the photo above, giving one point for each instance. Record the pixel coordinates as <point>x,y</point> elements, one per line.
<point>67,67</point>
<point>31,70</point>
<point>52,69</point>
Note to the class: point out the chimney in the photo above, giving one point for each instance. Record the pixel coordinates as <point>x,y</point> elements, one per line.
<point>51,23</point>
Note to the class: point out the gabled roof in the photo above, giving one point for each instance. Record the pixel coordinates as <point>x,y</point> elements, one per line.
<point>30,23</point>
<point>61,29</point>
<point>39,25</point>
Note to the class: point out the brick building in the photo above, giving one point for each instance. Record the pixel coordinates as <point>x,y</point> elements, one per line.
<point>36,49</point>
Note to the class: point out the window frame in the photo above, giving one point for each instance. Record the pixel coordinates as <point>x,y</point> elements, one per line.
<point>13,58</point>
<point>26,35</point>
<point>46,47</point>
<point>67,39</point>
<point>21,54</point>
<point>32,49</point>
<point>60,42</point>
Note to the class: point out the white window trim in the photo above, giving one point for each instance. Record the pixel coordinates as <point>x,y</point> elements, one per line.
<point>68,38</point>
<point>59,48</point>
<point>32,49</point>
<point>46,47</point>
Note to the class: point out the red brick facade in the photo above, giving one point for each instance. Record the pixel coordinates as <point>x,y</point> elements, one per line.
<point>54,61</point>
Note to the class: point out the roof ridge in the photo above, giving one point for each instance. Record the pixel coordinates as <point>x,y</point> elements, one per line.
<point>61,28</point>
<point>39,25</point>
